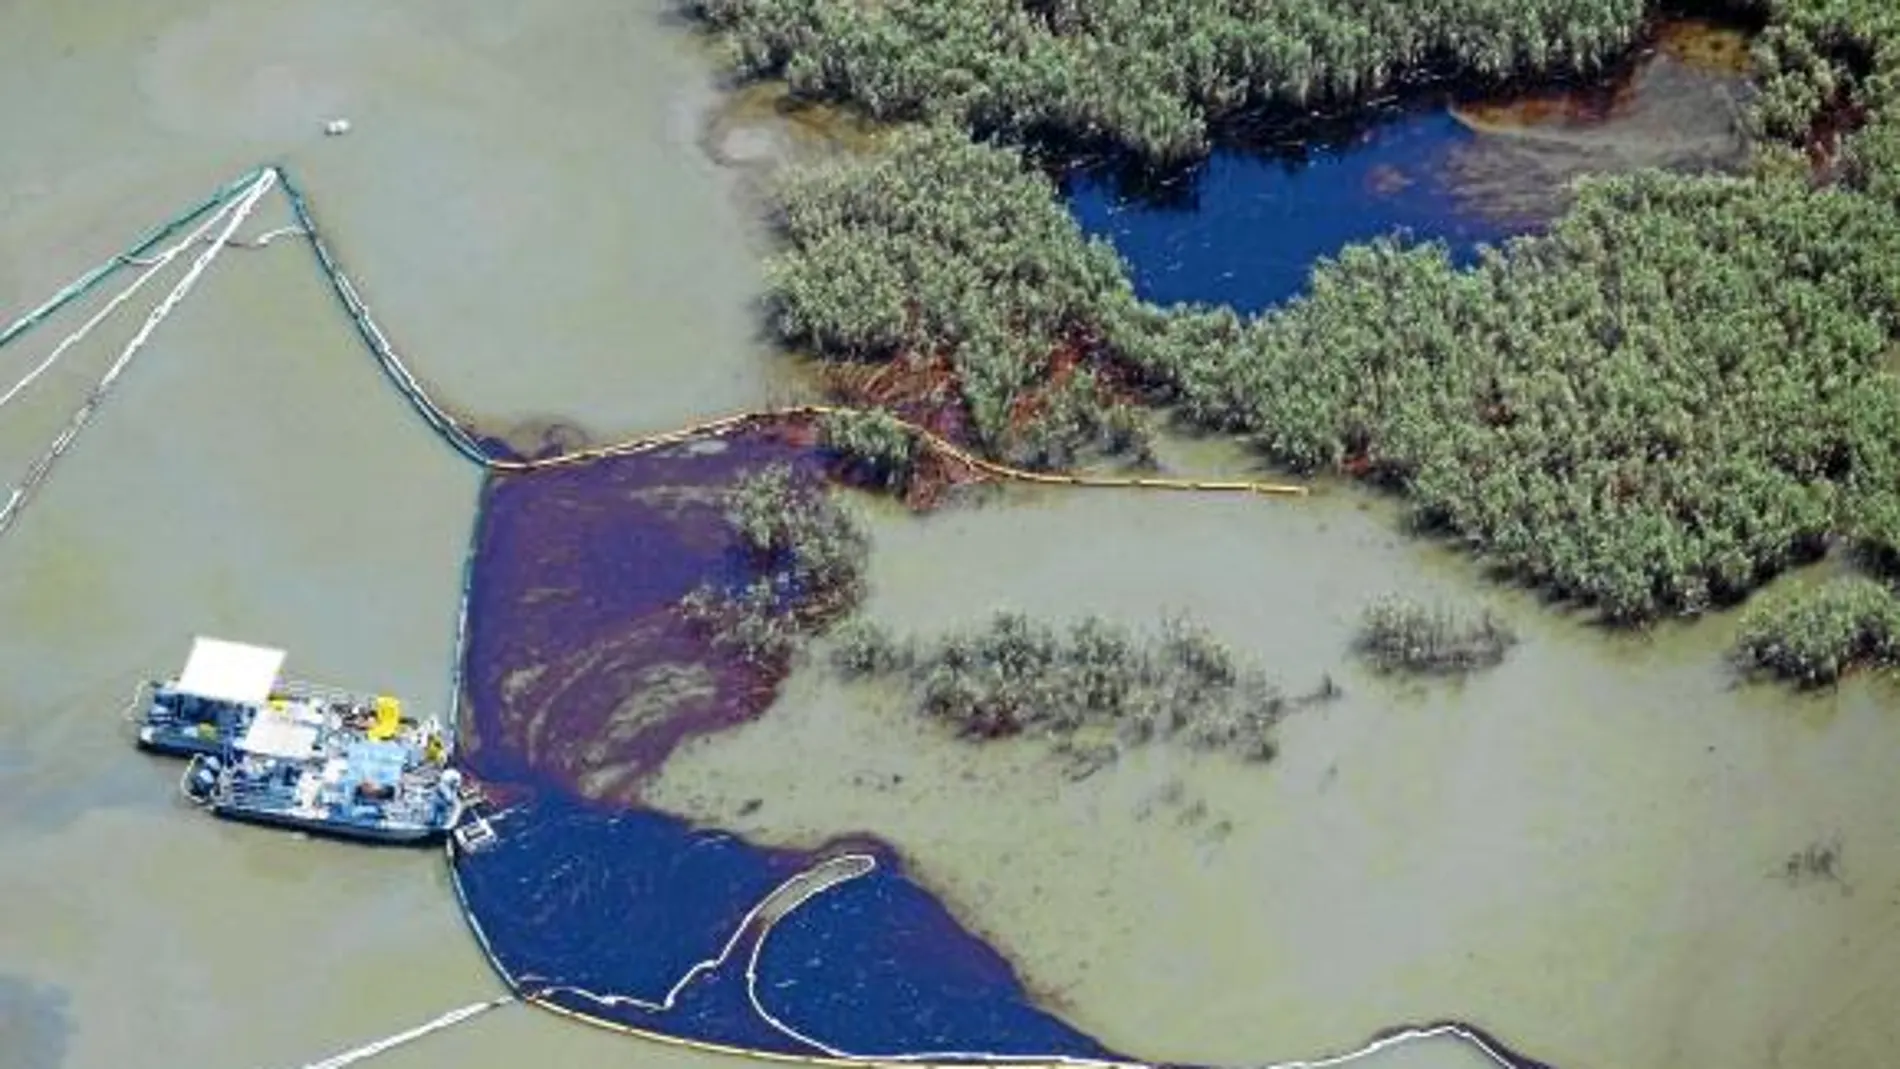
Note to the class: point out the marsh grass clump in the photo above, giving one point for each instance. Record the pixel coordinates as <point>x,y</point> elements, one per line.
<point>938,247</point>
<point>875,447</point>
<point>863,649</point>
<point>807,554</point>
<point>1069,423</point>
<point>802,533</point>
<point>1814,635</point>
<point>1401,635</point>
<point>1550,409</point>
<point>1015,676</point>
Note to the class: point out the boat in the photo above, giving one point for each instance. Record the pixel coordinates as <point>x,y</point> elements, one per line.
<point>289,772</point>
<point>318,759</point>
<point>213,699</point>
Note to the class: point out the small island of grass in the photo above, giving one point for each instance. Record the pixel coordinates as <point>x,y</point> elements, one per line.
<point>1401,635</point>
<point>1090,680</point>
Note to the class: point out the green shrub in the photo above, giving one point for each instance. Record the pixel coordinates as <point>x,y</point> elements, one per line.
<point>1680,391</point>
<point>876,447</point>
<point>1813,635</point>
<point>937,245</point>
<point>1015,675</point>
<point>807,553</point>
<point>862,649</point>
<point>799,532</point>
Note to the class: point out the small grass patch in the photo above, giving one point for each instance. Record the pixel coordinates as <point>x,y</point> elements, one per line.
<point>1017,676</point>
<point>1401,635</point>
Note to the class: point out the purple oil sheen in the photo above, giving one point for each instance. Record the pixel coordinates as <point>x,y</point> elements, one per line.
<point>578,574</point>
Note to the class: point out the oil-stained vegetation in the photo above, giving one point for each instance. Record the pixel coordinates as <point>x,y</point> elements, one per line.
<point>1681,390</point>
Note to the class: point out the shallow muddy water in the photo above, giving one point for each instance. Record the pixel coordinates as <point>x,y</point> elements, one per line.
<point>1576,851</point>
<point>520,195</point>
<point>1573,851</point>
<point>1244,228</point>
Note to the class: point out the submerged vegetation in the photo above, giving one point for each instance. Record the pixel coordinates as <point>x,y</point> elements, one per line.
<point>1016,676</point>
<point>1817,862</point>
<point>1814,635</point>
<point>1683,389</point>
<point>1400,635</point>
<point>806,554</point>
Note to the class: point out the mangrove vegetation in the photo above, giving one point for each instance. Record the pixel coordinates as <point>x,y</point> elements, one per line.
<point>1681,390</point>
<point>1017,676</point>
<point>1155,76</point>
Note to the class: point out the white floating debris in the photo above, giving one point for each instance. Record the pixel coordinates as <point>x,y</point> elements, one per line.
<point>336,126</point>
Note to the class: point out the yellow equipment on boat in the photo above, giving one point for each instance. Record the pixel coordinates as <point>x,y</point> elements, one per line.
<point>388,718</point>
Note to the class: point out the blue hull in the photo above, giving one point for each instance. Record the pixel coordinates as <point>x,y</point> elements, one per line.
<point>330,829</point>
<point>179,743</point>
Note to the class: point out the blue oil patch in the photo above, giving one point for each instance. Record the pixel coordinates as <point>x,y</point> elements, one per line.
<point>637,918</point>
<point>878,966</point>
<point>1244,229</point>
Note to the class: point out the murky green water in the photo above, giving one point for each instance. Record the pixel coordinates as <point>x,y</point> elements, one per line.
<point>1573,850</point>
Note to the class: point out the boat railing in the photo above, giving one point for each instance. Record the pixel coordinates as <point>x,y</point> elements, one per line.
<point>251,791</point>
<point>304,689</point>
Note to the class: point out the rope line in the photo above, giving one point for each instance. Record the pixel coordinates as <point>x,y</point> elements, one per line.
<point>42,467</point>
<point>447,1020</point>
<point>153,267</point>
<point>258,242</point>
<point>373,336</point>
<point>84,284</point>
<point>740,421</point>
<point>465,443</point>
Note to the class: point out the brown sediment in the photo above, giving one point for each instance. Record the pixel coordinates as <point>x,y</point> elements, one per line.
<point>1838,119</point>
<point>787,127</point>
<point>926,391</point>
<point>1702,46</point>
<point>534,439</point>
<point>1561,108</point>
<point>923,389</point>
<point>1706,46</point>
<point>1082,348</point>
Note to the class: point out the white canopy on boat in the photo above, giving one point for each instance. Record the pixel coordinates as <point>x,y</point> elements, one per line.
<point>230,671</point>
<point>273,734</point>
